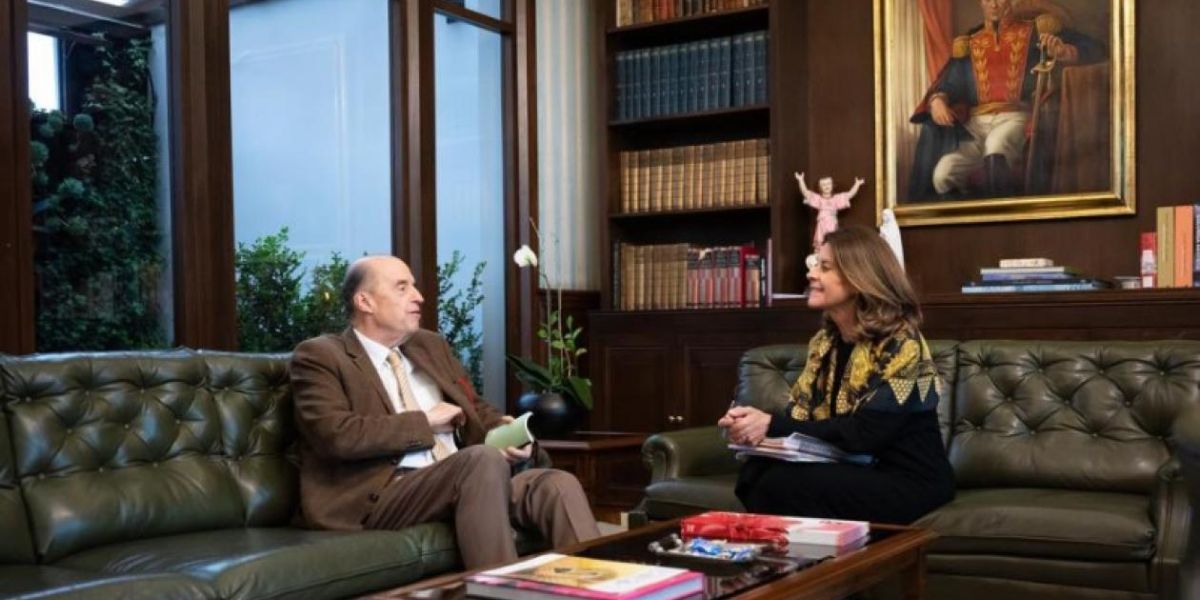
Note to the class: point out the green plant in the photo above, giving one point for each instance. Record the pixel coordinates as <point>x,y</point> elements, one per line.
<point>268,294</point>
<point>456,315</point>
<point>323,311</point>
<point>560,374</point>
<point>95,214</point>
<point>273,313</point>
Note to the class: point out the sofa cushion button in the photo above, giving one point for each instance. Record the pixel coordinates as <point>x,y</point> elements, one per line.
<point>373,497</point>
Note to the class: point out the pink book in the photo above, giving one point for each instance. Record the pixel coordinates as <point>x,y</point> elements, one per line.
<point>556,576</point>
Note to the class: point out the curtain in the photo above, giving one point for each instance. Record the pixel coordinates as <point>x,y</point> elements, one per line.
<point>906,81</point>
<point>938,16</point>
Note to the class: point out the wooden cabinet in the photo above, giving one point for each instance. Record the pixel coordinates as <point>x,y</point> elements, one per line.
<point>663,370</point>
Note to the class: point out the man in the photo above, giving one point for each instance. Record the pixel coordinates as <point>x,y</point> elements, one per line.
<point>391,432</point>
<point>976,114</point>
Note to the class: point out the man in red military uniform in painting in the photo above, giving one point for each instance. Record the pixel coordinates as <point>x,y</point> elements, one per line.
<point>976,115</point>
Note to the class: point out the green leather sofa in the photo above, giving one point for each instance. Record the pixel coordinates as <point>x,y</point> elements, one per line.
<point>167,475</point>
<point>1066,455</point>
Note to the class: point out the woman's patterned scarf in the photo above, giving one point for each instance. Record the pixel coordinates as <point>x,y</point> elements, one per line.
<point>899,362</point>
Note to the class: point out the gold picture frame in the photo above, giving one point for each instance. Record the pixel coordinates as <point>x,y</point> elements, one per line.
<point>1061,166</point>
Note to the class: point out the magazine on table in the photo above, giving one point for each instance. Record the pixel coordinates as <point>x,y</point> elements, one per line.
<point>801,448</point>
<point>553,575</point>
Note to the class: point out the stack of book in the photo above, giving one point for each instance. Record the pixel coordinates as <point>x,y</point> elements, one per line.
<point>559,576</point>
<point>1174,248</point>
<point>1031,275</point>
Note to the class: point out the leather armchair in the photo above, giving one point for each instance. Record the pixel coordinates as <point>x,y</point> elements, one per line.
<point>1068,458</point>
<point>167,475</point>
<point>1187,440</point>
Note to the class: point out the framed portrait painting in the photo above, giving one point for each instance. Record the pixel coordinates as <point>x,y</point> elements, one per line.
<point>1004,110</point>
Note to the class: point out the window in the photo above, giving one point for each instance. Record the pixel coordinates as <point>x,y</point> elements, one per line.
<point>43,72</point>
<point>311,157</point>
<point>100,193</point>
<point>469,138</point>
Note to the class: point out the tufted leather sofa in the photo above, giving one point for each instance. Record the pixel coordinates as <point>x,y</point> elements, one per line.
<point>1067,458</point>
<point>166,475</point>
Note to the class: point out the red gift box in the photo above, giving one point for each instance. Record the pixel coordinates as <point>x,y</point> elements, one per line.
<point>773,530</point>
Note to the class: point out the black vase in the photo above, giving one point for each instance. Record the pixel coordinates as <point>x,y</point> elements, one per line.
<point>553,415</point>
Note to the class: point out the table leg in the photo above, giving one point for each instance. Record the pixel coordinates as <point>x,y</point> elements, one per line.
<point>912,579</point>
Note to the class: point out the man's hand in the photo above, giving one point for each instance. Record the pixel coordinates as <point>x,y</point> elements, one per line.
<point>942,115</point>
<point>747,425</point>
<point>515,455</point>
<point>445,417</point>
<point>1058,49</point>
<point>506,419</point>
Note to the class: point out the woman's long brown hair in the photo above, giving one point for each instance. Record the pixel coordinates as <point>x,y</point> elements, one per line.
<point>884,303</point>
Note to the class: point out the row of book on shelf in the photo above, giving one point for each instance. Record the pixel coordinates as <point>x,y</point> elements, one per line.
<point>779,539</point>
<point>723,72</point>
<point>636,12</point>
<point>1170,255</point>
<point>694,177</point>
<point>682,276</point>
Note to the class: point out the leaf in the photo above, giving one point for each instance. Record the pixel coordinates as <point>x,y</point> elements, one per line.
<point>532,374</point>
<point>580,388</point>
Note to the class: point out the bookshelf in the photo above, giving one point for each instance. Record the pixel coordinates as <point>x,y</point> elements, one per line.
<point>693,137</point>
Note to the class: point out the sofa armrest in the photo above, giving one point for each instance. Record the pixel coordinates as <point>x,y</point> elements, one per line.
<point>1186,481</point>
<point>1171,514</point>
<point>687,452</point>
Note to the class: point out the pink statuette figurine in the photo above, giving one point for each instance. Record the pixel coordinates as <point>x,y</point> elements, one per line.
<point>827,204</point>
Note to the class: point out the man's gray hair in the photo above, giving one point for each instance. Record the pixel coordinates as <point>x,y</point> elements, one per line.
<point>356,274</point>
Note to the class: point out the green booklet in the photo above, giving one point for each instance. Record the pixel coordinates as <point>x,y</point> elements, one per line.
<point>514,434</point>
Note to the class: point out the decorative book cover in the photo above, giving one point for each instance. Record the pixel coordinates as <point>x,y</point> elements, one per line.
<point>551,575</point>
<point>774,530</point>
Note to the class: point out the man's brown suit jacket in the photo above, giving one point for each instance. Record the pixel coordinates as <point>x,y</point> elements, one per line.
<point>350,435</point>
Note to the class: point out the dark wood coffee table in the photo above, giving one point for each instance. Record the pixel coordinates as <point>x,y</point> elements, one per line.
<point>892,551</point>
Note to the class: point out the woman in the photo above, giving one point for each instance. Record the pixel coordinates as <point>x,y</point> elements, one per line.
<point>869,386</point>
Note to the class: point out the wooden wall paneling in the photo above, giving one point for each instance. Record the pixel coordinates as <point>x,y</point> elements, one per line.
<point>414,175</point>
<point>635,382</point>
<point>710,365</point>
<point>521,190</point>
<point>16,233</point>
<point>201,174</point>
<point>841,120</point>
<point>789,65</point>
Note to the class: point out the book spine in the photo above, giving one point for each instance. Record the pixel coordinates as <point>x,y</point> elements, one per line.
<point>1024,263</point>
<point>726,71</point>
<point>1184,244</point>
<point>1035,287</point>
<point>1196,245</point>
<point>1164,231</point>
<point>1147,261</point>
<point>739,65</point>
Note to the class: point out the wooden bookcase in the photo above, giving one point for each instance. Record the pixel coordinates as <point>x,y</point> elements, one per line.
<point>670,369</point>
<point>776,120</point>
